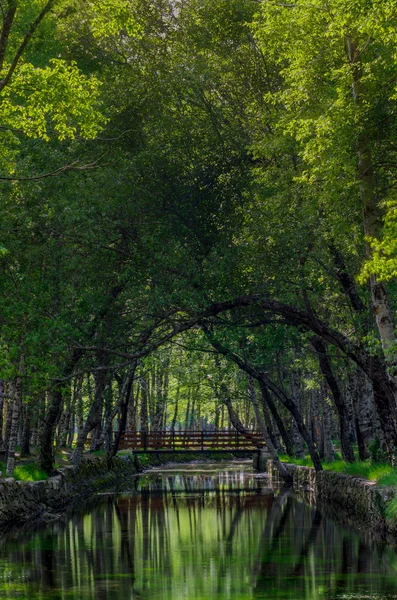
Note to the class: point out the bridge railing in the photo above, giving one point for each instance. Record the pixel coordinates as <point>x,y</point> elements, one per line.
<point>191,440</point>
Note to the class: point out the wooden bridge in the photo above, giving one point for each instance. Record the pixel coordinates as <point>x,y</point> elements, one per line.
<point>191,441</point>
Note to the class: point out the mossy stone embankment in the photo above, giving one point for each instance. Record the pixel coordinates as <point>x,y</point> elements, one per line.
<point>21,501</point>
<point>351,499</point>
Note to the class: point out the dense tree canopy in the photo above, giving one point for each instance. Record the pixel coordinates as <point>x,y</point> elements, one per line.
<point>198,222</point>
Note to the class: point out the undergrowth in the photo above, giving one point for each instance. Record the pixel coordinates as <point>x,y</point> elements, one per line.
<point>29,472</point>
<point>380,472</point>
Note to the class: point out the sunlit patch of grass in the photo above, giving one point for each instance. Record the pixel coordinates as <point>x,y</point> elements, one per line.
<point>358,469</point>
<point>29,472</point>
<point>302,462</point>
<point>389,477</point>
<point>382,473</point>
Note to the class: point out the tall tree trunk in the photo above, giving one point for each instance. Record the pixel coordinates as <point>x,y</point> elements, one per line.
<point>12,440</point>
<point>192,414</point>
<point>291,406</point>
<point>222,420</point>
<point>268,400</point>
<point>356,389</point>
<point>371,215</point>
<point>94,416</point>
<point>237,424</point>
<point>39,418</point>
<point>79,403</point>
<point>264,380</point>
<point>7,416</point>
<point>132,417</point>
<point>187,416</point>
<point>2,393</point>
<point>63,427</point>
<point>329,451</point>
<point>25,440</point>
<point>265,414</point>
<point>176,406</point>
<point>123,411</point>
<point>326,369</point>
<point>53,414</point>
<point>6,411</point>
<point>297,396</point>
<point>272,450</point>
<point>144,407</point>
<point>218,408</point>
<point>158,399</point>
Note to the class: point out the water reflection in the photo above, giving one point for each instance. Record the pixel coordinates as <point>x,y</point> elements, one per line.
<point>197,536</point>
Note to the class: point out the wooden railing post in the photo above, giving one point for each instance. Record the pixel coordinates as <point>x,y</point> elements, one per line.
<point>145,441</point>
<point>202,440</point>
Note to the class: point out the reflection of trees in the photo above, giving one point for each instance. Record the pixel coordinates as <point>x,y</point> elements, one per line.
<point>166,544</point>
<point>309,542</point>
<point>276,519</point>
<point>300,552</point>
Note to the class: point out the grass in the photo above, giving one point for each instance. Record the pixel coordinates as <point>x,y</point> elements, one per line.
<point>29,472</point>
<point>382,473</point>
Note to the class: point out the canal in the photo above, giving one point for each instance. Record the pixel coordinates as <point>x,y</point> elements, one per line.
<point>195,532</point>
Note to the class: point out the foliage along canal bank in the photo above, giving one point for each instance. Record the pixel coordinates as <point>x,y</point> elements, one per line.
<point>21,501</point>
<point>351,500</point>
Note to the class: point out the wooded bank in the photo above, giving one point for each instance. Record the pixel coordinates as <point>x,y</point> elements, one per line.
<point>198,224</point>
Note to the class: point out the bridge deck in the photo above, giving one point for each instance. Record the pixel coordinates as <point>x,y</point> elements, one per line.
<point>182,441</point>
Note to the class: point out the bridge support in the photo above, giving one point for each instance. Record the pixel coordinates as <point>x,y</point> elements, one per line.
<point>260,459</point>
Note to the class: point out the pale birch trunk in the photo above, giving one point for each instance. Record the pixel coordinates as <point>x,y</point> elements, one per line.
<point>6,405</point>
<point>176,406</point>
<point>329,450</point>
<point>16,410</point>
<point>356,390</point>
<point>144,408</point>
<point>371,216</point>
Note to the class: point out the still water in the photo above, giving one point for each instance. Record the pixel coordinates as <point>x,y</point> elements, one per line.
<point>196,532</point>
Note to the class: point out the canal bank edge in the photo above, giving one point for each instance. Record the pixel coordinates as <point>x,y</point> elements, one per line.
<point>22,501</point>
<point>352,500</point>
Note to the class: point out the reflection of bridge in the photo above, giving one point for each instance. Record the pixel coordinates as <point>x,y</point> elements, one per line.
<point>191,441</point>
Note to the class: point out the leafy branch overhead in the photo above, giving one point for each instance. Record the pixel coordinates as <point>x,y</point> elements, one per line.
<point>198,222</point>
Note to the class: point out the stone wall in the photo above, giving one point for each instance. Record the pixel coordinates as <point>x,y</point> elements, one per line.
<point>352,500</point>
<point>21,501</point>
<point>24,500</point>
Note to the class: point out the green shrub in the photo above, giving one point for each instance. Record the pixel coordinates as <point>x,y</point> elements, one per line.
<point>380,471</point>
<point>375,451</point>
<point>388,477</point>
<point>29,472</point>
